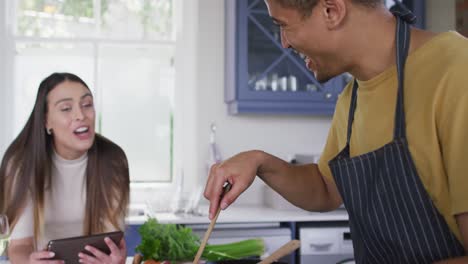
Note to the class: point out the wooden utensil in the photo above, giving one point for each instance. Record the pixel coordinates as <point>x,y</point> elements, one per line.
<point>210,228</point>
<point>282,251</point>
<point>137,258</point>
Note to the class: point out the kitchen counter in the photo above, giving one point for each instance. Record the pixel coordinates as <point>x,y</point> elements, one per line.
<point>244,214</point>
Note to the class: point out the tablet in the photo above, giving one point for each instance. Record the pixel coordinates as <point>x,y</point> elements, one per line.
<point>67,249</point>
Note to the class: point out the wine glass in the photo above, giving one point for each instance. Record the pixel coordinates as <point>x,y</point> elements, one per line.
<point>4,234</point>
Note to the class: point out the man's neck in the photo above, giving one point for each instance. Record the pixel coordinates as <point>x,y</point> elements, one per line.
<point>373,44</point>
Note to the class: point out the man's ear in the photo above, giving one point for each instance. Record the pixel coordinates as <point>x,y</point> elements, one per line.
<point>334,12</point>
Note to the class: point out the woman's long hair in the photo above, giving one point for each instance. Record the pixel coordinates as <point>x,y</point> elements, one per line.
<point>25,171</point>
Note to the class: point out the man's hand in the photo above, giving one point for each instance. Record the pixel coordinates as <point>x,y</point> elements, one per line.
<point>240,171</point>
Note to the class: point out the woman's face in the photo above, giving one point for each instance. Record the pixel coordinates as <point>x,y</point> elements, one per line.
<point>70,117</point>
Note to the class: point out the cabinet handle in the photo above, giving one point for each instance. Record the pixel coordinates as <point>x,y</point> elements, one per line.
<point>311,87</point>
<point>328,95</point>
<point>320,246</point>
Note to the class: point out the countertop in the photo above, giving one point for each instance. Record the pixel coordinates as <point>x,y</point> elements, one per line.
<point>244,214</point>
<point>251,215</point>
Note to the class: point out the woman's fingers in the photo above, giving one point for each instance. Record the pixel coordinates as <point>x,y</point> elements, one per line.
<point>117,255</point>
<point>100,256</point>
<point>44,257</point>
<point>123,245</point>
<point>87,259</point>
<point>112,246</point>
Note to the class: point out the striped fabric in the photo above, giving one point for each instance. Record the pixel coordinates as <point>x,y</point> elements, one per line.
<point>392,218</point>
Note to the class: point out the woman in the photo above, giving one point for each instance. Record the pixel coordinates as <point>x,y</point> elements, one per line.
<point>60,179</point>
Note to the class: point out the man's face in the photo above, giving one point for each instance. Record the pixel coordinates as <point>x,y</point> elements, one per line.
<point>309,36</point>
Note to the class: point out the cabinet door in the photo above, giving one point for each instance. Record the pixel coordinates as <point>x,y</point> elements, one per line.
<point>267,77</point>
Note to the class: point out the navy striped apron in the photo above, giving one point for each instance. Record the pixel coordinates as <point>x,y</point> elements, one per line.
<point>391,216</point>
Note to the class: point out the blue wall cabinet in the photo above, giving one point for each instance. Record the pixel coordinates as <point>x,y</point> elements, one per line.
<point>263,77</point>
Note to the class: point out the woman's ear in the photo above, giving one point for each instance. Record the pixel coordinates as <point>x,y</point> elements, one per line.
<point>47,126</point>
<point>334,12</point>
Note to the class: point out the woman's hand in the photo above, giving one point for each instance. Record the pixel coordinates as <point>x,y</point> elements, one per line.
<point>43,257</point>
<point>117,255</point>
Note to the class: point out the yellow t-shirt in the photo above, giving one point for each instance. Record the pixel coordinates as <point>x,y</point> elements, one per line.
<point>436,112</point>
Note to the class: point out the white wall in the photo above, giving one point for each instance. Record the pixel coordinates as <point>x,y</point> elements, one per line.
<point>440,15</point>
<point>186,98</point>
<point>280,136</point>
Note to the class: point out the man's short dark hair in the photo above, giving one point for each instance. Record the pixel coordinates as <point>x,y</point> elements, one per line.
<point>305,6</point>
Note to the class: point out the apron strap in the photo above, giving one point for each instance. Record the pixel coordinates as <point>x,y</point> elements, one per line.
<point>352,109</point>
<point>400,10</point>
<point>404,17</point>
<point>403,41</point>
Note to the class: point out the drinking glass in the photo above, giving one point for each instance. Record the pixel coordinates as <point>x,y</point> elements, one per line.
<point>4,234</point>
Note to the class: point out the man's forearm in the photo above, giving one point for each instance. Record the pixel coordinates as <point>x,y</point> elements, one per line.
<point>302,185</point>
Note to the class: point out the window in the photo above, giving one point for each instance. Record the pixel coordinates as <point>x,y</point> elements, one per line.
<point>123,49</point>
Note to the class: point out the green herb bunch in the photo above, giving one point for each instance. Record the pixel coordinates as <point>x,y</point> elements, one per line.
<point>176,243</point>
<point>166,241</point>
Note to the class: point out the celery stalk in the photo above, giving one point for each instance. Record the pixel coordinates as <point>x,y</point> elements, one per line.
<point>237,250</point>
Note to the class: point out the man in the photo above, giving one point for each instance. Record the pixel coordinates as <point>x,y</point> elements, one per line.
<point>399,166</point>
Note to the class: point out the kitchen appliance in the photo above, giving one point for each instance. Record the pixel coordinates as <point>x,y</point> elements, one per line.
<point>325,243</point>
